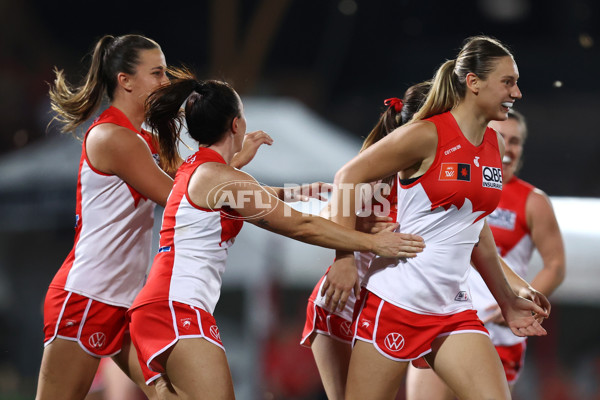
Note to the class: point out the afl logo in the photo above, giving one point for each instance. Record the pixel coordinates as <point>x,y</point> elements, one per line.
<point>394,341</point>
<point>97,340</point>
<point>345,328</point>
<point>235,194</point>
<point>214,331</point>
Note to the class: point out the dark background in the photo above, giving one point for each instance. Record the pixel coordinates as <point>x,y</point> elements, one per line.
<point>341,58</point>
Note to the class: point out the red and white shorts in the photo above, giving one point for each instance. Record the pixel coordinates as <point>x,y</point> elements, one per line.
<point>401,335</point>
<point>156,327</point>
<point>513,358</point>
<point>97,327</point>
<point>321,321</point>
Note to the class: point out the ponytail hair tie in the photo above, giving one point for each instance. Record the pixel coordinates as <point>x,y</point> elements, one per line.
<point>394,102</point>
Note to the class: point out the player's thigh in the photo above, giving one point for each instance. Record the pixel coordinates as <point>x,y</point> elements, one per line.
<point>196,366</point>
<point>332,357</point>
<point>424,384</point>
<point>66,371</point>
<point>372,375</point>
<point>469,364</point>
<point>130,379</point>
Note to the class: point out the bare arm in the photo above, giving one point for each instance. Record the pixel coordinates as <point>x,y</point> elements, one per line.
<point>303,192</point>
<point>259,207</point>
<point>522,288</point>
<point>516,310</point>
<point>115,150</point>
<point>547,239</point>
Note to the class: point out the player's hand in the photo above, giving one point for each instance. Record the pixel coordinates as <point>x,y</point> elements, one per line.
<point>388,243</point>
<point>252,141</point>
<point>341,279</point>
<point>522,316</point>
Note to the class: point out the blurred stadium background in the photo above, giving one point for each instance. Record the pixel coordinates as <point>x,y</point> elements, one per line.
<point>313,74</point>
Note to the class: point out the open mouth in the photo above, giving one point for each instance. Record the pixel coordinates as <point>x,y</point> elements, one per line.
<point>507,104</point>
<point>506,159</point>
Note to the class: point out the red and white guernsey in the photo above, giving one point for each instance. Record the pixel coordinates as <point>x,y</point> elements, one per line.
<point>193,245</point>
<point>511,233</point>
<point>113,231</point>
<point>446,207</point>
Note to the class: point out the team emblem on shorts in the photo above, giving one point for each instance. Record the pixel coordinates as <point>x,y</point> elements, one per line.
<point>214,331</point>
<point>345,328</point>
<point>394,341</point>
<point>97,340</point>
<point>186,322</point>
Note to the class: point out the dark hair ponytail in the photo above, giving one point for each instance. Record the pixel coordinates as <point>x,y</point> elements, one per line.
<point>165,116</point>
<point>209,108</point>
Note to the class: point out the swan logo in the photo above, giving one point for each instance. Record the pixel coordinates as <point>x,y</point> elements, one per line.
<point>186,322</point>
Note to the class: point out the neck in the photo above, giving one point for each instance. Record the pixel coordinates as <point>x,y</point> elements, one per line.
<point>471,124</point>
<point>225,148</point>
<point>132,111</point>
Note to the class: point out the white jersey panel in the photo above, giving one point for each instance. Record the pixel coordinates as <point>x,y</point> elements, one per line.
<point>113,250</point>
<point>200,257</point>
<point>434,282</point>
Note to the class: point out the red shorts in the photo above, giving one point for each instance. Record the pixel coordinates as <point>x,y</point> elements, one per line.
<point>97,327</point>
<point>513,358</point>
<point>401,335</point>
<point>321,321</point>
<point>156,327</point>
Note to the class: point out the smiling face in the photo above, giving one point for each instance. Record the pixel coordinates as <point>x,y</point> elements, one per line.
<point>513,133</point>
<point>499,91</point>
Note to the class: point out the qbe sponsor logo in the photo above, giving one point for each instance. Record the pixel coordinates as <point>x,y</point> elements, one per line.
<point>491,177</point>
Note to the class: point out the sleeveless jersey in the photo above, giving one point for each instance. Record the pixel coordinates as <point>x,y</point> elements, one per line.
<point>446,207</point>
<point>193,245</point>
<point>113,230</point>
<point>511,233</point>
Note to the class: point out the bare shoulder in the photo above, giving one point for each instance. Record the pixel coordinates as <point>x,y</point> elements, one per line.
<point>539,207</point>
<point>424,129</point>
<point>538,198</point>
<point>221,172</point>
<point>111,137</point>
